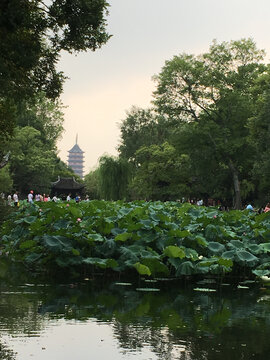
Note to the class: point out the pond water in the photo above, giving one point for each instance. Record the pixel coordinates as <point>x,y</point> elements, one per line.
<point>101,320</point>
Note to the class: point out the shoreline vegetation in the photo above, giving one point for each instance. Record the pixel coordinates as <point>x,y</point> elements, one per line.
<point>166,240</point>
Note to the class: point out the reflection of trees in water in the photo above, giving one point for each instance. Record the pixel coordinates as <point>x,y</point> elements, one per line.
<point>205,327</point>
<point>6,353</point>
<point>173,324</point>
<point>19,313</point>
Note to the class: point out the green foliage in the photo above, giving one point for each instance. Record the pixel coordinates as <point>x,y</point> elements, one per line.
<point>33,34</point>
<point>208,133</point>
<point>141,128</point>
<point>91,182</point>
<point>113,178</point>
<point>31,162</point>
<point>6,182</point>
<point>152,238</point>
<point>161,174</point>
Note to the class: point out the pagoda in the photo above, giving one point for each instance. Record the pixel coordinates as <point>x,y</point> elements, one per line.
<point>76,159</point>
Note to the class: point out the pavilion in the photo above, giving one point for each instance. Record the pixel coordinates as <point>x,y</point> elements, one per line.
<point>64,186</point>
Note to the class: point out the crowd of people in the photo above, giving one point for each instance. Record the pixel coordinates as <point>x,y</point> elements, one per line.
<point>260,210</point>
<point>13,199</point>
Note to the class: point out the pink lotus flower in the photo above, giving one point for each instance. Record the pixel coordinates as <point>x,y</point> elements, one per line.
<point>67,205</point>
<point>215,216</point>
<point>79,220</point>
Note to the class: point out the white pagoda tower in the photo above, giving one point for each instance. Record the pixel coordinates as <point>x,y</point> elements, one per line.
<point>76,159</point>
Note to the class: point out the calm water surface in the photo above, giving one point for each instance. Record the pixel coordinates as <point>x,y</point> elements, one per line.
<point>98,320</point>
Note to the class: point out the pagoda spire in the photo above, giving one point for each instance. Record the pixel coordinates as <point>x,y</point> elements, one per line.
<point>76,139</point>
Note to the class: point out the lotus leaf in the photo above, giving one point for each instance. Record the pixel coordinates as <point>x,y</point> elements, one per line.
<point>76,212</point>
<point>148,224</point>
<point>265,247</point>
<point>211,232</point>
<point>260,273</point>
<point>33,257</point>
<point>174,252</point>
<point>204,290</point>
<point>95,237</point>
<point>229,254</point>
<point>142,269</point>
<point>156,267</point>
<point>102,263</point>
<point>201,240</point>
<point>186,268</point>
<point>57,242</point>
<point>123,237</point>
<point>255,249</point>
<point>191,254</point>
<point>236,244</point>
<point>216,247</point>
<point>247,257</point>
<point>148,289</point>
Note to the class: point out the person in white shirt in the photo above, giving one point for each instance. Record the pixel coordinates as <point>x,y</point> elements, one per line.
<point>30,197</point>
<point>15,198</point>
<point>9,200</point>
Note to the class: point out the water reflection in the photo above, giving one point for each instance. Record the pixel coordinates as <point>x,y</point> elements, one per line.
<point>118,322</point>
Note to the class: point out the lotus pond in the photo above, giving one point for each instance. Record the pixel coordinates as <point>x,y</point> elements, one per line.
<point>134,281</point>
<point>150,239</point>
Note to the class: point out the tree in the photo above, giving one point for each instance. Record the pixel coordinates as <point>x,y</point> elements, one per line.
<point>6,182</point>
<point>259,126</point>
<point>31,163</point>
<point>44,115</point>
<point>113,178</point>
<point>92,184</point>
<point>142,127</point>
<point>160,173</point>
<point>32,35</point>
<point>215,90</point>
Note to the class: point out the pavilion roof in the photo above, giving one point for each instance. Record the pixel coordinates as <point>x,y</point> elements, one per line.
<point>67,183</point>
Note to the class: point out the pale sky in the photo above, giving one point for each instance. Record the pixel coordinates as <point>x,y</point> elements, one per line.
<point>104,84</point>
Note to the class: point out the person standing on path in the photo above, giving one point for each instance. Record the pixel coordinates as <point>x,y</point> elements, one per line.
<point>15,198</point>
<point>30,197</point>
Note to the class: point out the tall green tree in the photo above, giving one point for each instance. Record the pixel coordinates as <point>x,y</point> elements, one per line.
<point>141,127</point>
<point>31,162</point>
<point>92,184</point>
<point>6,182</point>
<point>32,35</point>
<point>215,90</point>
<point>161,174</point>
<point>43,114</point>
<point>259,126</point>
<point>114,176</point>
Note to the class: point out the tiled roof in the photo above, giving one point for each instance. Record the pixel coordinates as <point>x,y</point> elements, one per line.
<point>67,183</point>
<point>76,149</point>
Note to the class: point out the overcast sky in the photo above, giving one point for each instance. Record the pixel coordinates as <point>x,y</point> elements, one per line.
<point>103,85</point>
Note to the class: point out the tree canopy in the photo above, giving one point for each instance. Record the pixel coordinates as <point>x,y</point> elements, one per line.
<point>211,111</point>
<point>216,90</point>
<point>32,36</point>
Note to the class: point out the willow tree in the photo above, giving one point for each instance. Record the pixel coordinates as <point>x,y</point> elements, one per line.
<point>113,178</point>
<point>216,91</point>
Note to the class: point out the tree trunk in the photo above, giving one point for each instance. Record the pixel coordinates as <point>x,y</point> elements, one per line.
<point>236,185</point>
<point>4,161</point>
